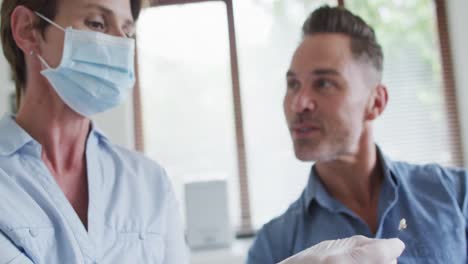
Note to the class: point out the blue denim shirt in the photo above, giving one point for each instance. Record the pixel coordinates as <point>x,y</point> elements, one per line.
<point>432,199</point>
<point>132,214</point>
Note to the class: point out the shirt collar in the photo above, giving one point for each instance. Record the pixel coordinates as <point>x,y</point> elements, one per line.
<point>95,130</point>
<point>13,137</point>
<point>316,191</point>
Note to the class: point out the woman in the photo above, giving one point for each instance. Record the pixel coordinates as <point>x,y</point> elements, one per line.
<point>68,194</point>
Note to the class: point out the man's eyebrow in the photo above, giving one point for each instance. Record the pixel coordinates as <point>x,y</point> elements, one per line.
<point>290,73</point>
<point>128,22</point>
<point>325,71</point>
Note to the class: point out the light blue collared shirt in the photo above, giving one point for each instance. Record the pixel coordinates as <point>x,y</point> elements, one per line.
<point>432,199</point>
<point>132,214</point>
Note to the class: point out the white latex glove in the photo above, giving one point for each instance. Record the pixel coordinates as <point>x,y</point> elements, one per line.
<point>352,250</point>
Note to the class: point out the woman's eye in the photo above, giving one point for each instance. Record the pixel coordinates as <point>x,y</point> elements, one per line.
<point>95,25</point>
<point>130,34</point>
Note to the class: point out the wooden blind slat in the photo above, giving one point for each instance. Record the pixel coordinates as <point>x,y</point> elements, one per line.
<point>449,83</point>
<point>138,110</point>
<point>246,219</point>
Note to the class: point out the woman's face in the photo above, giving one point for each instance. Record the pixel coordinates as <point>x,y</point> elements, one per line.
<point>113,17</point>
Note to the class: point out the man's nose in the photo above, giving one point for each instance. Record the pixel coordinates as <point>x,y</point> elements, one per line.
<point>303,101</point>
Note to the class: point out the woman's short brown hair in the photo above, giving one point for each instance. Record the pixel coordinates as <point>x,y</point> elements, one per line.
<point>12,52</point>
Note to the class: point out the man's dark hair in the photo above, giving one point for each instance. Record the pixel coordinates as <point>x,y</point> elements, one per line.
<point>339,20</point>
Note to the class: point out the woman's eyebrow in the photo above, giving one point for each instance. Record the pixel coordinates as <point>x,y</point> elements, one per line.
<point>107,11</point>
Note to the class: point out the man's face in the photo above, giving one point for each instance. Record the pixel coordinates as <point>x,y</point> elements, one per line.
<point>111,17</point>
<point>327,97</point>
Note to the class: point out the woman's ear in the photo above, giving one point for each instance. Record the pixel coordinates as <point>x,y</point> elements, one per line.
<point>377,102</point>
<point>23,29</point>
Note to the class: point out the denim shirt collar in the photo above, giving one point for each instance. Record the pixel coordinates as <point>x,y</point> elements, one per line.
<point>13,138</point>
<point>316,191</point>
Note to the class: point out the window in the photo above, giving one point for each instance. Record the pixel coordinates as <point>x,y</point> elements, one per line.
<point>420,124</point>
<point>186,93</point>
<point>192,122</point>
<point>268,34</point>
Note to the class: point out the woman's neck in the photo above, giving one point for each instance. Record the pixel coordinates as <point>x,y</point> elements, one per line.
<point>61,132</point>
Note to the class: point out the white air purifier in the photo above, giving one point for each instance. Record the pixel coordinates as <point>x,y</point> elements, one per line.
<point>207,214</point>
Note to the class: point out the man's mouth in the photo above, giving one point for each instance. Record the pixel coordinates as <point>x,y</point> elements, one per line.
<point>304,131</point>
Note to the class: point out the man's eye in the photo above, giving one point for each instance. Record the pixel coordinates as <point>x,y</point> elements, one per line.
<point>292,84</point>
<point>323,83</point>
<point>95,25</point>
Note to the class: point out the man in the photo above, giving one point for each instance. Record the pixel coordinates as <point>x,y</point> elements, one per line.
<point>334,93</point>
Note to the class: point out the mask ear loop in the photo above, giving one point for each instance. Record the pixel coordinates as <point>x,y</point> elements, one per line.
<point>48,20</point>
<point>31,52</point>
<point>52,23</point>
<point>43,61</point>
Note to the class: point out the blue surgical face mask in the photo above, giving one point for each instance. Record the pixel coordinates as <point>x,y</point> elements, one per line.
<point>96,72</point>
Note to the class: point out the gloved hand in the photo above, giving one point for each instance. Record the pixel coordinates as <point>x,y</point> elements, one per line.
<point>352,250</point>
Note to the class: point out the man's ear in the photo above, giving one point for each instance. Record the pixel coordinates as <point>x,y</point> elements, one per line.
<point>23,29</point>
<point>377,102</point>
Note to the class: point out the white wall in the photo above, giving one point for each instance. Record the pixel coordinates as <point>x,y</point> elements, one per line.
<point>458,19</point>
<point>6,85</point>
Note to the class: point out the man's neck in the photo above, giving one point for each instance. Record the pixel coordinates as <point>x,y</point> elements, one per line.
<point>355,181</point>
<point>353,177</point>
